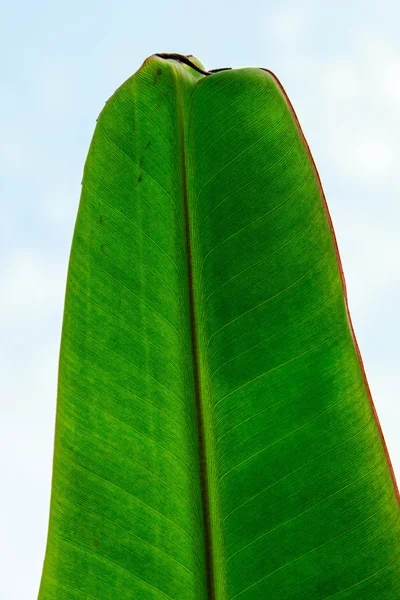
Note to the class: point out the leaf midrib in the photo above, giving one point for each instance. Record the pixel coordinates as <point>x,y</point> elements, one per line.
<point>199,408</point>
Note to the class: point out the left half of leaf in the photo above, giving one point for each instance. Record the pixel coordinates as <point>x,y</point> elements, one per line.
<point>126,516</point>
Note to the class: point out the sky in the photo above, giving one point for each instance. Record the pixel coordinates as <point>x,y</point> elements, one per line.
<point>340,65</point>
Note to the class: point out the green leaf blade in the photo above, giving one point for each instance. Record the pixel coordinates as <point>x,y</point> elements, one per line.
<point>126,508</point>
<point>215,434</point>
<point>300,472</point>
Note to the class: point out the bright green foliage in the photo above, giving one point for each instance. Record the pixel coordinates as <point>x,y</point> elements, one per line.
<point>215,436</point>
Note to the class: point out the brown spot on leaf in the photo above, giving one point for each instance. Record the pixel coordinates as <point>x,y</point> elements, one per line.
<point>139,178</point>
<point>101,219</point>
<point>102,247</point>
<point>161,99</point>
<point>157,75</point>
<point>96,543</point>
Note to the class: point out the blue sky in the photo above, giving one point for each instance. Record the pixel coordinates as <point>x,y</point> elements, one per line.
<point>340,65</point>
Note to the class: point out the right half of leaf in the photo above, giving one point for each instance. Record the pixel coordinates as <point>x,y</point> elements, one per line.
<point>304,505</point>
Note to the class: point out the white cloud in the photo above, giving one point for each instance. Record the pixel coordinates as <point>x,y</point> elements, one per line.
<point>28,438</point>
<point>14,156</point>
<point>58,203</point>
<point>31,290</point>
<point>54,88</point>
<point>31,303</point>
<point>340,81</point>
<point>371,257</point>
<point>373,156</point>
<point>364,157</point>
<point>287,24</point>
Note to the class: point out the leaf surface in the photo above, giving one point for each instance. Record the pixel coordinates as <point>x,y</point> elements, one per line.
<point>215,435</point>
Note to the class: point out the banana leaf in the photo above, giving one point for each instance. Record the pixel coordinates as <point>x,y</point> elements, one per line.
<point>215,433</point>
